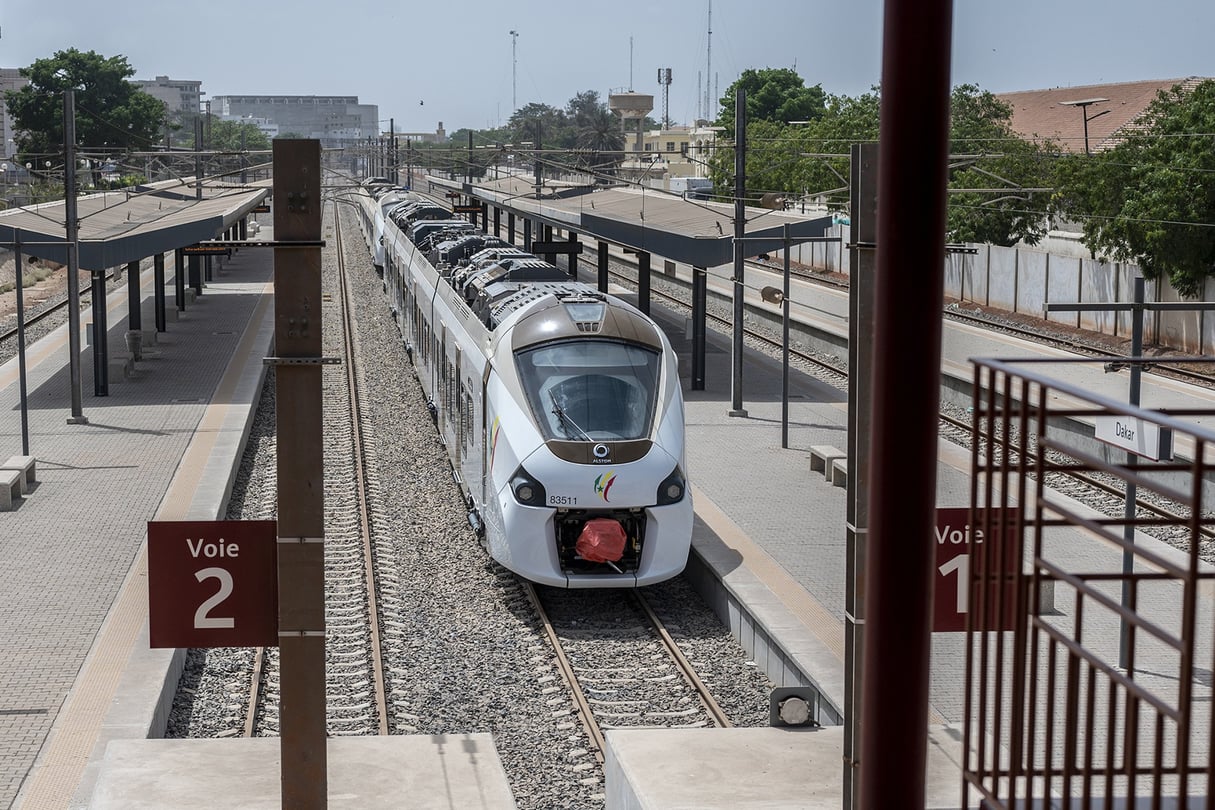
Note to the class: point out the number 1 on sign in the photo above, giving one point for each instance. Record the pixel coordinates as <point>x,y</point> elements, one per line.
<point>961,564</point>
<point>201,620</point>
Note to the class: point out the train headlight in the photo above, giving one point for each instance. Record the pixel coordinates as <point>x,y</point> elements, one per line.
<point>672,488</point>
<point>527,490</point>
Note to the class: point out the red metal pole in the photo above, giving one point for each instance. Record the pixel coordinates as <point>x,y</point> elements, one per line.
<point>909,285</point>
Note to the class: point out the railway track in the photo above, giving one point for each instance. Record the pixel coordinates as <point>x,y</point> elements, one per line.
<point>620,663</point>
<point>50,309</point>
<point>355,670</point>
<point>982,320</point>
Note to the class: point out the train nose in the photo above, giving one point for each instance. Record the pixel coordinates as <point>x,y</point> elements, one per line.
<point>601,541</point>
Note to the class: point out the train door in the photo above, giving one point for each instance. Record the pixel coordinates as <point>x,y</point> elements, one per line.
<point>440,378</point>
<point>487,440</point>
<point>417,321</point>
<point>458,415</point>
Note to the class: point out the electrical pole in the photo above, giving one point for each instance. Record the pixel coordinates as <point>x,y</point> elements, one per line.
<point>740,233</point>
<point>72,235</point>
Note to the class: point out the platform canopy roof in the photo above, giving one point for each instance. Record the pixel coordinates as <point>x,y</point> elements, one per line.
<point>118,227</point>
<point>690,231</point>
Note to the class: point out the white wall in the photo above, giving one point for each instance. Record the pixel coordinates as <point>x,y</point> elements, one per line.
<point>1023,280</point>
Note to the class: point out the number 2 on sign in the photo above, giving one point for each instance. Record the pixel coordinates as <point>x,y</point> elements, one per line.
<point>961,564</point>
<point>201,620</point>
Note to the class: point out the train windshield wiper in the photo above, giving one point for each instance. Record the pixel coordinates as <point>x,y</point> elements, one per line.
<point>566,419</point>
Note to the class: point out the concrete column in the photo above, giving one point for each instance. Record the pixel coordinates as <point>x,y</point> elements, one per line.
<point>134,335</point>
<point>497,222</point>
<point>510,227</point>
<point>158,273</point>
<point>179,280</point>
<point>101,353</point>
<point>700,291</point>
<point>134,315</point>
<point>527,234</point>
<point>643,281</point>
<point>196,274</point>
<point>603,267</point>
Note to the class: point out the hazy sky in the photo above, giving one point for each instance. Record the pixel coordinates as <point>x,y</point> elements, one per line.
<point>423,62</point>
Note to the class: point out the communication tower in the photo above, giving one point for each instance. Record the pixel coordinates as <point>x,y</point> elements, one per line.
<point>664,79</point>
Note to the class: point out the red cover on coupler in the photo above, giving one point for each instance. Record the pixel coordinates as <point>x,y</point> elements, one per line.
<point>602,540</point>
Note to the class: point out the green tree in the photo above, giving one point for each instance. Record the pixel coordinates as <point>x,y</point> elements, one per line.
<point>226,136</point>
<point>111,113</point>
<point>773,94</point>
<point>541,124</point>
<point>825,146</point>
<point>987,154</point>
<point>1150,199</point>
<point>802,160</point>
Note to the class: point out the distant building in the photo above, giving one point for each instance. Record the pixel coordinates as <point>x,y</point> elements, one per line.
<point>182,97</point>
<point>438,136</point>
<point>1108,110</point>
<point>10,79</point>
<point>335,121</point>
<point>665,154</point>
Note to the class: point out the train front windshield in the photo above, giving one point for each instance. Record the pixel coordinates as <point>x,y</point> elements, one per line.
<point>591,390</point>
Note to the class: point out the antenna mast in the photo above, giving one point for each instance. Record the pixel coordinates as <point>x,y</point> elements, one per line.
<point>709,64</point>
<point>630,64</point>
<point>664,78</point>
<point>514,62</point>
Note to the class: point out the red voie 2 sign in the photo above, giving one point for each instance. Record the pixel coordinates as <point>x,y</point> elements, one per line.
<point>213,583</point>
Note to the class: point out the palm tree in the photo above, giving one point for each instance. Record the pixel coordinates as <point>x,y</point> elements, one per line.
<point>599,131</point>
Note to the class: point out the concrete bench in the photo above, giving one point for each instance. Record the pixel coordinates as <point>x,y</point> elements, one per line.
<point>119,367</point>
<point>822,456</point>
<point>839,472</point>
<point>10,488</point>
<point>25,465</point>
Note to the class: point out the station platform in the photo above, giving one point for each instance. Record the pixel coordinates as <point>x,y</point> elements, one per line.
<point>769,555</point>
<point>161,445</point>
<point>80,689</point>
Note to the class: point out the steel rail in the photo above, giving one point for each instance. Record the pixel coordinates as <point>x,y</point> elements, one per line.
<point>685,666</point>
<point>589,723</point>
<point>348,343</point>
<point>86,293</point>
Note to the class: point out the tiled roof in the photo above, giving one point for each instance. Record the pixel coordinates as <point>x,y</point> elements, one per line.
<point>1041,113</point>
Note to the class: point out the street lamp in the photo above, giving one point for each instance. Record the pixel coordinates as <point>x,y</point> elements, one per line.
<point>1084,104</point>
<point>514,62</point>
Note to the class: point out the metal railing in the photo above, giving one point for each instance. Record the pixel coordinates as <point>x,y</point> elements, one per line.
<point>1106,701</point>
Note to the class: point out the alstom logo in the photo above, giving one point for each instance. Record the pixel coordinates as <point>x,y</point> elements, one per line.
<point>603,484</point>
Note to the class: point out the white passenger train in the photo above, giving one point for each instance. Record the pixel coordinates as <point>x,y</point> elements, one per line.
<point>560,406</point>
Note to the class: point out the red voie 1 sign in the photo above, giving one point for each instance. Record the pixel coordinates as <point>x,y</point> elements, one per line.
<point>213,583</point>
<point>957,552</point>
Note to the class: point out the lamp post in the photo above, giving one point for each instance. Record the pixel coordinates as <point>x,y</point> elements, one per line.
<point>1084,104</point>
<point>514,63</point>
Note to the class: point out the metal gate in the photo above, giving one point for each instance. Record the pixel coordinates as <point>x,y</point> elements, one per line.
<point>1107,698</point>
